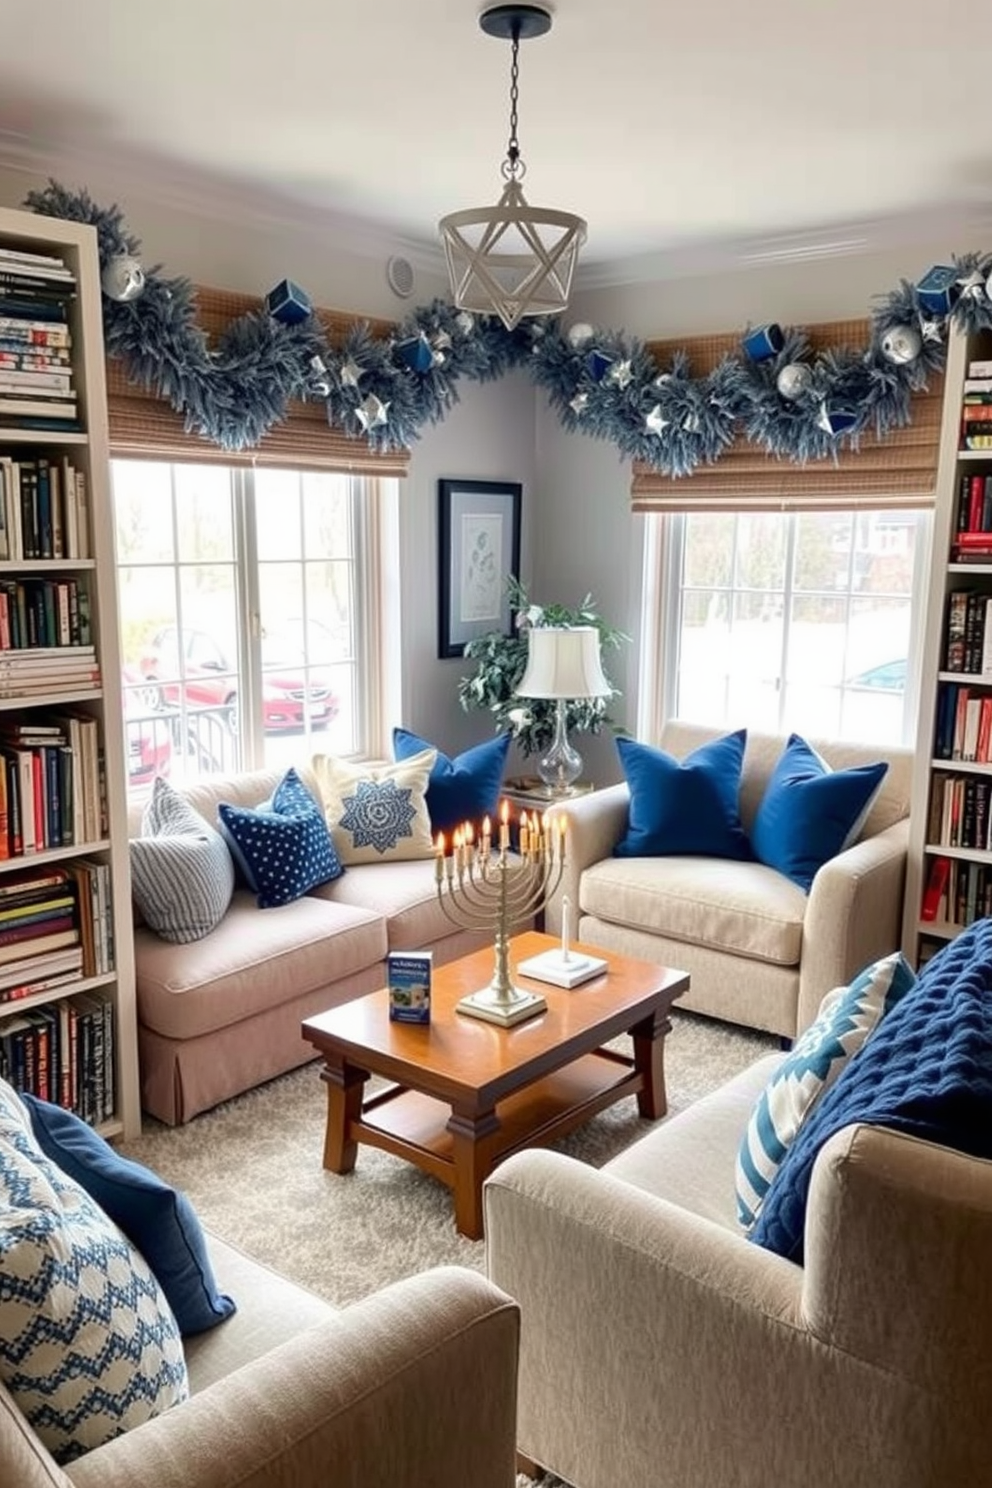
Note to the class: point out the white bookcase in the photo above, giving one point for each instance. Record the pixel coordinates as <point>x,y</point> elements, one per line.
<point>87,451</point>
<point>951,817</point>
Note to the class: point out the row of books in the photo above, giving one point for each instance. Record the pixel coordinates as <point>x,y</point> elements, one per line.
<point>36,291</point>
<point>957,893</point>
<point>64,1053</point>
<point>40,614</point>
<point>959,811</point>
<point>56,926</point>
<point>52,784</point>
<point>968,637</point>
<point>43,509</point>
<point>976,414</point>
<point>963,729</point>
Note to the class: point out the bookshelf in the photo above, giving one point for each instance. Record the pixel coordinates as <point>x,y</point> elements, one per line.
<point>67,1000</point>
<point>949,871</point>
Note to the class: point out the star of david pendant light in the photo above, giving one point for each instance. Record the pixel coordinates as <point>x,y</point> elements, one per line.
<point>512,259</point>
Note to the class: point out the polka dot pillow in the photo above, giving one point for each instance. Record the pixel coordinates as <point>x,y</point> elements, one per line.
<point>283,846</point>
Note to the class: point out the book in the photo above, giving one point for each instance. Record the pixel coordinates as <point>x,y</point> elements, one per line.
<point>936,886</point>
<point>408,978</point>
<point>48,407</point>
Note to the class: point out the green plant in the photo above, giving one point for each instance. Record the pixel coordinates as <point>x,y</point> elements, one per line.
<point>500,662</point>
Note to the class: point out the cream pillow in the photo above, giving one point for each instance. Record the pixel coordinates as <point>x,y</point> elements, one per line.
<point>377,813</point>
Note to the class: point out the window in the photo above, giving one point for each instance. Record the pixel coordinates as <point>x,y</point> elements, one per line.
<point>803,620</point>
<point>243,615</point>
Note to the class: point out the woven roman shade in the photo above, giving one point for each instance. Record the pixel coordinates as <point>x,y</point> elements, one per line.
<point>899,471</point>
<point>144,425</point>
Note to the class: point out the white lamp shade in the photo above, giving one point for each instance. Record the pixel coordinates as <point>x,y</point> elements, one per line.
<point>563,662</point>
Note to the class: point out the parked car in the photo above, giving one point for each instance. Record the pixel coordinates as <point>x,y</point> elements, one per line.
<point>204,675</point>
<point>147,737</point>
<point>888,676</point>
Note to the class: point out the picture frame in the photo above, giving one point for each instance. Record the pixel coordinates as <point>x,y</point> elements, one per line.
<point>478,548</point>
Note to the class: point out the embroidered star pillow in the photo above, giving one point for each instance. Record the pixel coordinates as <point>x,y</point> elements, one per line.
<point>377,813</point>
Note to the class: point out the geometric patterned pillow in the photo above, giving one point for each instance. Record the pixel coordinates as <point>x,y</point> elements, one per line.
<point>182,877</point>
<point>847,1018</point>
<point>88,1345</point>
<point>282,847</point>
<point>377,813</point>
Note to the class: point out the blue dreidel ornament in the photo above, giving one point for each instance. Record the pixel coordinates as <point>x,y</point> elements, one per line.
<point>837,418</point>
<point>416,353</point>
<point>763,342</point>
<point>598,364</point>
<point>939,289</point>
<point>288,303</point>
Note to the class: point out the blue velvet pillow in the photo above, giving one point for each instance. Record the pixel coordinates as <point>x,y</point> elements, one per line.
<point>282,847</point>
<point>465,788</point>
<point>158,1220</point>
<point>689,807</point>
<point>926,1070</point>
<point>809,813</point>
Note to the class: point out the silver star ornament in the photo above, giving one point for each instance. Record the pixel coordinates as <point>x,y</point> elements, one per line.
<point>579,404</point>
<point>351,373</point>
<point>621,374</point>
<point>655,422</point>
<point>372,413</point>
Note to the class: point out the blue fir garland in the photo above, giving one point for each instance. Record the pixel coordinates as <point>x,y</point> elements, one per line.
<point>599,381</point>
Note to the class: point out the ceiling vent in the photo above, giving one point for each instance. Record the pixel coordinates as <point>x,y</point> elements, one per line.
<point>399,272</point>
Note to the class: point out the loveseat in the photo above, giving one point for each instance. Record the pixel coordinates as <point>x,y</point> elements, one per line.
<point>760,950</point>
<point>222,1014</point>
<point>852,1345</point>
<point>413,1387</point>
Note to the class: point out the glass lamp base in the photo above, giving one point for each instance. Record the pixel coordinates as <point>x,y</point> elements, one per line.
<point>562,765</point>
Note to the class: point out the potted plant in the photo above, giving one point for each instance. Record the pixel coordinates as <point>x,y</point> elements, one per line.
<point>500,662</point>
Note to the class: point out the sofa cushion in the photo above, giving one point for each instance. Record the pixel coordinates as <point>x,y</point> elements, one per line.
<point>847,1017</point>
<point>157,1219</point>
<point>377,813</point>
<point>282,847</point>
<point>88,1345</point>
<point>682,807</point>
<point>251,963</point>
<point>927,1070</point>
<point>182,877</point>
<point>404,894</point>
<point>809,812</point>
<point>465,788</point>
<point>742,908</point>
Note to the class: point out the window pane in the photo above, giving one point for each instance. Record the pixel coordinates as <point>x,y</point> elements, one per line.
<point>203,513</point>
<point>143,511</point>
<point>277,508</point>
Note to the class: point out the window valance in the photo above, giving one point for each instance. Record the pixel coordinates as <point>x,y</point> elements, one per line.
<point>142,424</point>
<point>899,471</point>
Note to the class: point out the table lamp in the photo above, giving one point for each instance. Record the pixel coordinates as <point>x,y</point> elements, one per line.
<point>562,663</point>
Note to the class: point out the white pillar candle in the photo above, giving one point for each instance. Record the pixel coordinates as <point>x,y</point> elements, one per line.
<point>566,907</point>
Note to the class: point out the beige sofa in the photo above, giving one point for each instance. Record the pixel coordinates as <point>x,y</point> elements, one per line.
<point>414,1387</point>
<point>759,950</point>
<point>221,1015</point>
<point>667,1351</point>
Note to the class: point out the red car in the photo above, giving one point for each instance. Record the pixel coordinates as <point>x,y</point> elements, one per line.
<point>147,739</point>
<point>205,677</point>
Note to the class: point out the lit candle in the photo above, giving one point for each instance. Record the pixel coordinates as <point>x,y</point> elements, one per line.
<point>524,834</point>
<point>469,846</point>
<point>566,906</point>
<point>562,829</point>
<point>458,848</point>
<point>439,859</point>
<point>504,827</point>
<point>486,838</point>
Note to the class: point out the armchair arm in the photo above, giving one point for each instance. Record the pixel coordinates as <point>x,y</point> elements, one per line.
<point>414,1387</point>
<point>854,915</point>
<point>596,823</point>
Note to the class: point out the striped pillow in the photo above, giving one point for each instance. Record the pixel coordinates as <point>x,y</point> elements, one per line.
<point>846,1020</point>
<point>182,876</point>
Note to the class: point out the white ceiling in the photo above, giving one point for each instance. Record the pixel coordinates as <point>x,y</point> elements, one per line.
<point>782,127</point>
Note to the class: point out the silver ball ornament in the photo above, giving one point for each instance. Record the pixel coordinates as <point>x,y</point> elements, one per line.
<point>465,321</point>
<point>794,379</point>
<point>123,278</point>
<point>579,335</point>
<point>902,344</point>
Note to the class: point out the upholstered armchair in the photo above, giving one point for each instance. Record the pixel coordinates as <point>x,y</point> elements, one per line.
<point>759,950</point>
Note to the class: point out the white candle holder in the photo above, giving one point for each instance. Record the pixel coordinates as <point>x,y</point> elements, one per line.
<point>479,889</point>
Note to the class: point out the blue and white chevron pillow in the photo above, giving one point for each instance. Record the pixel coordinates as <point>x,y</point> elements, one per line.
<point>847,1017</point>
<point>88,1345</point>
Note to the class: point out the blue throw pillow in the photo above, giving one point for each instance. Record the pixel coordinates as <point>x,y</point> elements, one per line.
<point>684,807</point>
<point>809,813</point>
<point>282,847</point>
<point>848,1016</point>
<point>926,1070</point>
<point>465,788</point>
<point>158,1220</point>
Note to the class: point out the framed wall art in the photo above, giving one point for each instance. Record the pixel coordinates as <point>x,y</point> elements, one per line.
<point>478,548</point>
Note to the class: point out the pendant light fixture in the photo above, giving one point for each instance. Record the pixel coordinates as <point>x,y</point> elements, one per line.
<point>512,259</point>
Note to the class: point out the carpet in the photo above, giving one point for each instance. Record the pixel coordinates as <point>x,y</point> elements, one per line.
<point>252,1168</point>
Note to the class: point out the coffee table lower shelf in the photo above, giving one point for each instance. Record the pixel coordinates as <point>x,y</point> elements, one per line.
<point>418,1127</point>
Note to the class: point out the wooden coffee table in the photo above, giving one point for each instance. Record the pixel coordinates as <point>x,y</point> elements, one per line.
<point>467,1093</point>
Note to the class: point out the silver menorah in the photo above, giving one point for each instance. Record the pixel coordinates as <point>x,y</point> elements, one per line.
<point>482,888</point>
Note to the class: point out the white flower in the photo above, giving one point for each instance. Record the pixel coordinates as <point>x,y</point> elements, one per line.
<point>519,718</point>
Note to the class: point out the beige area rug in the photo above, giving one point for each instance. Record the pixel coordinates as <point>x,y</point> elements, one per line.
<point>252,1168</point>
